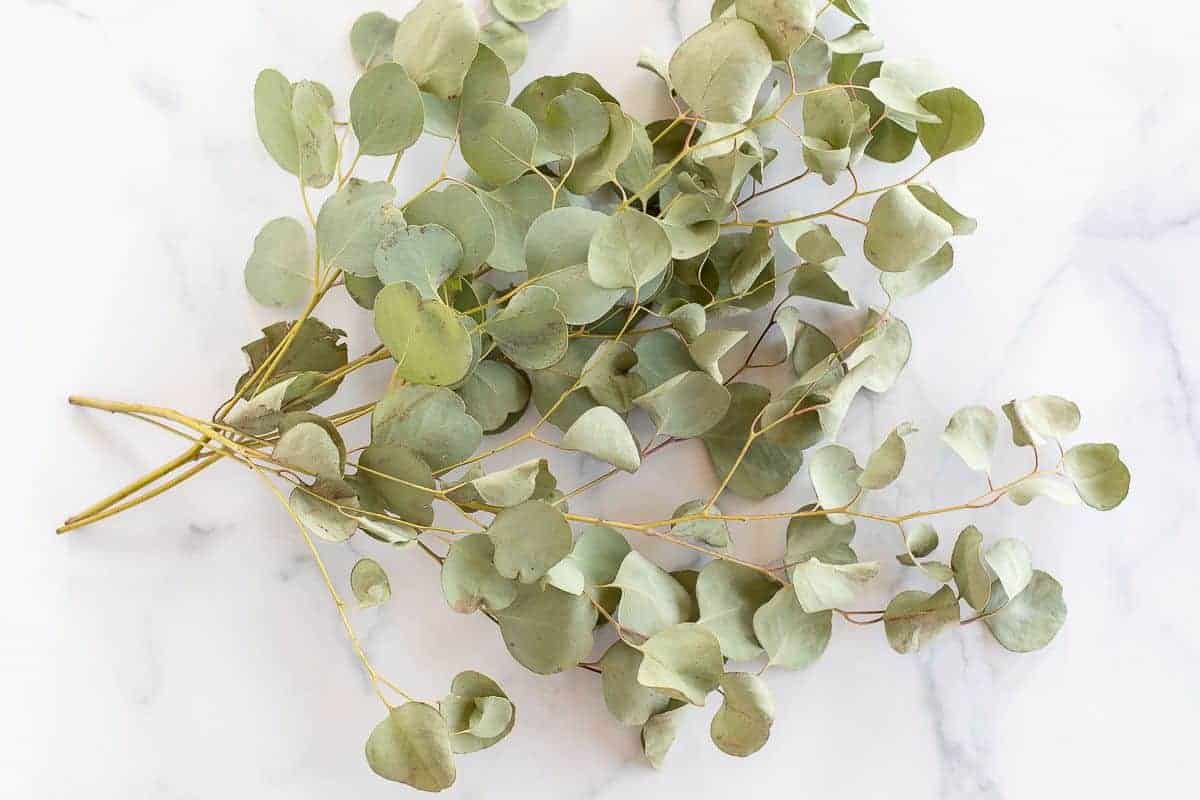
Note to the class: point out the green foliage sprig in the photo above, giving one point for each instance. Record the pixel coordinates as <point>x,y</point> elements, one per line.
<point>578,269</point>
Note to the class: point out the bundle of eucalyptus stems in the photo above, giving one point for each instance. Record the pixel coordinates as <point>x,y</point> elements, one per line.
<point>598,269</point>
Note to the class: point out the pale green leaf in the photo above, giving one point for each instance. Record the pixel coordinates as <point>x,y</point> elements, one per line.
<point>470,579</point>
<point>385,111</point>
<point>498,142</point>
<point>1032,619</point>
<point>279,270</point>
<point>494,392</point>
<point>959,125</point>
<point>1098,473</point>
<point>972,575</point>
<point>402,479</point>
<point>971,432</point>
<point>412,745</point>
<point>708,348</point>
<point>683,662</point>
<point>369,583</point>
<point>1012,564</point>
<point>884,465</point>
<point>902,232</point>
<point>792,638</point>
<point>628,250</point>
<point>729,594</point>
<point>436,43</point>
<point>783,24</point>
<point>530,538</point>
<point>459,210</point>
<point>371,39</point>
<point>352,222</point>
<point>318,507</point>
<point>526,10</point>
<point>477,712</point>
<point>719,69</point>
<point>430,420</point>
<point>547,630</point>
<point>687,405</point>
<point>820,586</point>
<point>743,723</point>
<point>531,330</point>
<point>912,618</point>
<point>308,448</point>
<point>427,338</point>
<point>422,255</point>
<point>507,41</point>
<point>651,600</point>
<point>627,700</point>
<point>602,433</point>
<point>714,532</point>
<point>817,536</point>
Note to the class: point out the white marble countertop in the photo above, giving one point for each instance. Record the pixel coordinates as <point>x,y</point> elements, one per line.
<point>188,650</point>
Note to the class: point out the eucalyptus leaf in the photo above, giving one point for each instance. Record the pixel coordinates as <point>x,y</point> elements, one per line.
<point>427,338</point>
<point>526,10</point>
<point>279,271</point>
<point>318,507</point>
<point>718,70</point>
<point>436,43</point>
<point>743,723</point>
<point>884,465</point>
<point>531,330</point>
<point>912,618</point>
<point>470,579</point>
<point>600,432</point>
<point>1012,564</point>
<point>628,250</point>
<point>412,745</point>
<point>402,479</point>
<point>422,255</point>
<point>959,124</point>
<point>783,24</point>
<point>498,142</point>
<point>651,600</point>
<point>729,595</point>
<point>972,574</point>
<point>902,232</point>
<point>530,539</point>
<point>1032,619</point>
<point>816,535</point>
<point>793,638</point>
<point>385,111</point>
<point>430,420</point>
<point>820,586</point>
<point>353,221</point>
<point>971,432</point>
<point>507,41</point>
<point>371,39</point>
<point>477,711</point>
<point>547,630</point>
<point>1099,475</point>
<point>494,392</point>
<point>687,405</point>
<point>627,700</point>
<point>683,662</point>
<point>459,210</point>
<point>369,583</point>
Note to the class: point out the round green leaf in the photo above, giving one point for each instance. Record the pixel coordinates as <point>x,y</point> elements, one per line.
<point>493,393</point>
<point>743,723</point>
<point>1098,473</point>
<point>683,661</point>
<point>422,255</point>
<point>371,39</point>
<point>498,142</point>
<point>436,43</point>
<point>729,595</point>
<point>530,539</point>
<point>602,433</point>
<point>821,586</point>
<point>651,600</point>
<point>912,618</point>
<point>627,700</point>
<point>316,140</point>
<point>902,232</point>
<point>972,575</point>
<point>792,638</point>
<point>835,477</point>
<point>507,41</point>
<point>308,448</point>
<point>1033,618</point>
<point>459,210</point>
<point>531,330</point>
<point>884,465</point>
<point>783,24</point>
<point>426,337</point>
<point>317,508</point>
<point>430,420</point>
<point>971,432</point>
<point>960,122</point>
<point>719,69</point>
<point>412,745</point>
<point>576,122</point>
<point>579,299</point>
<point>397,474</point>
<point>385,111</point>
<point>560,238</point>
<point>629,249</point>
<point>687,405</point>
<point>470,579</point>
<point>279,271</point>
<point>547,630</point>
<point>477,711</point>
<point>353,221</point>
<point>819,537</point>
<point>369,583</point>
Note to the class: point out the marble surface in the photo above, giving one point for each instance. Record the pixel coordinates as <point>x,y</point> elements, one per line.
<point>188,650</point>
